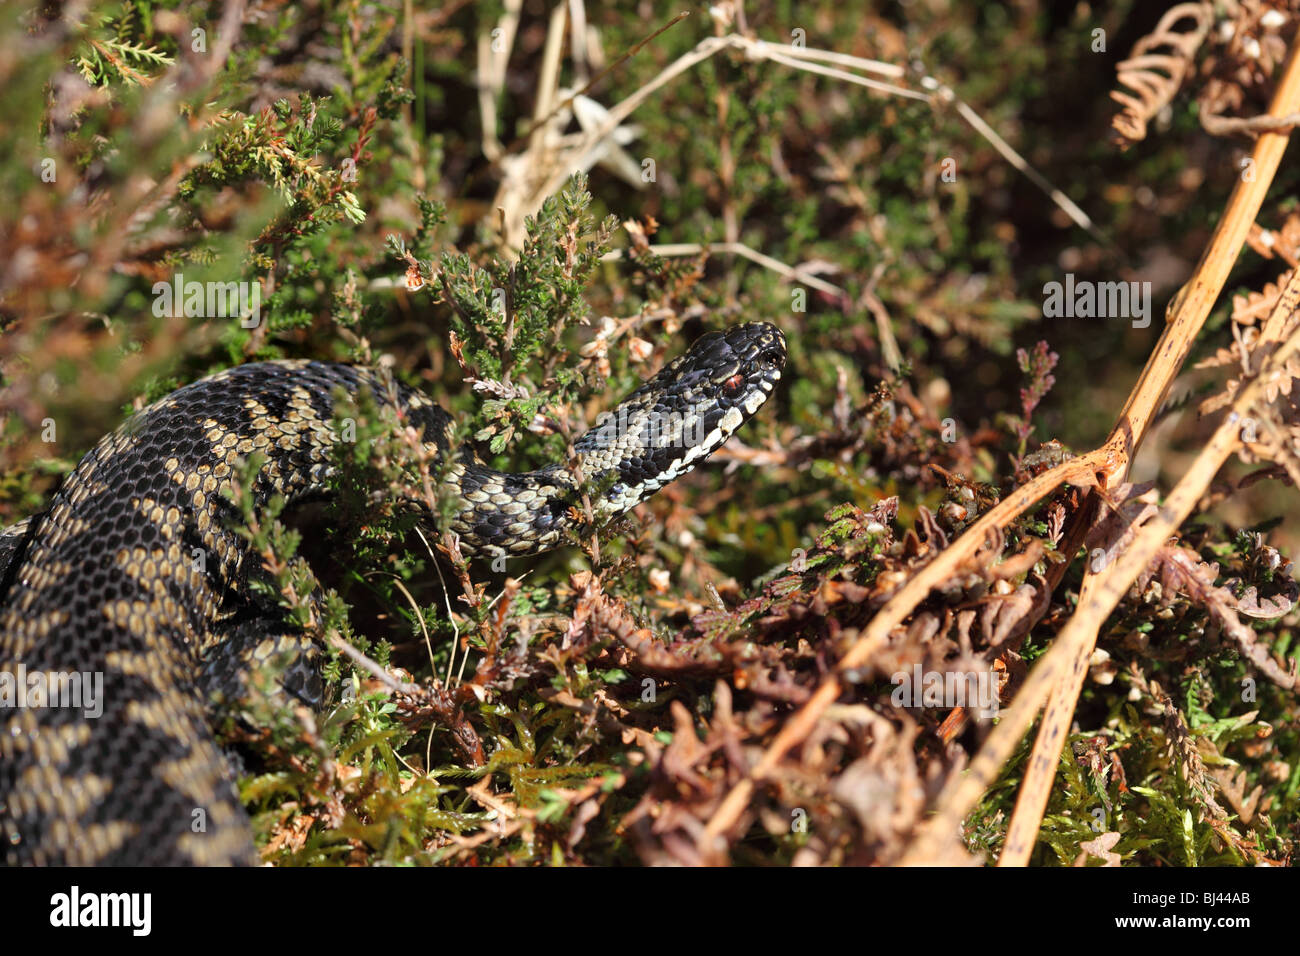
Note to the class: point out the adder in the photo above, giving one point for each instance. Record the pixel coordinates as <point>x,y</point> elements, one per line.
<point>134,575</point>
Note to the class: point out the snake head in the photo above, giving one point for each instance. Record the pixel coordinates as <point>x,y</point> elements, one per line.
<point>684,414</point>
<point>736,368</point>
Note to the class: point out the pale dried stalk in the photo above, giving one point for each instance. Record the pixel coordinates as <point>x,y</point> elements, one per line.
<point>794,273</point>
<point>1105,465</point>
<point>492,75</point>
<point>964,791</point>
<point>1189,310</point>
<point>549,74</point>
<point>768,51</point>
<point>519,199</point>
<point>891,70</point>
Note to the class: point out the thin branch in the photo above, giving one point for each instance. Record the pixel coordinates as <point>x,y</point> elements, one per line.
<point>1062,661</point>
<point>794,273</point>
<point>1105,465</point>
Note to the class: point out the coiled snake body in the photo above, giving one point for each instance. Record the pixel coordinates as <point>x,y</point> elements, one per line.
<point>134,576</point>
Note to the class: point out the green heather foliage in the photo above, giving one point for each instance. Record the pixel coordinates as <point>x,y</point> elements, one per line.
<point>333,153</point>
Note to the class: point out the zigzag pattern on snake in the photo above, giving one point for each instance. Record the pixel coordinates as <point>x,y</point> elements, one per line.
<point>135,575</point>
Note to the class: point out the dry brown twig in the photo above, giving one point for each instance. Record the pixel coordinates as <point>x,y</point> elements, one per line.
<point>549,160</point>
<point>1205,286</point>
<point>800,273</point>
<point>1062,662</point>
<point>1104,466</point>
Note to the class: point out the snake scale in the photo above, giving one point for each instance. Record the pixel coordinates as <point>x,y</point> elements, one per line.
<point>135,576</point>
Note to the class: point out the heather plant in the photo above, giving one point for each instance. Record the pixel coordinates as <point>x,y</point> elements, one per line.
<point>524,217</point>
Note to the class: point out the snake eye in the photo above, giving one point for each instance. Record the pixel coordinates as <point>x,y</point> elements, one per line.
<point>732,385</point>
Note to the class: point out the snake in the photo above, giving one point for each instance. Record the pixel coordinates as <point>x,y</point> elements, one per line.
<point>114,597</point>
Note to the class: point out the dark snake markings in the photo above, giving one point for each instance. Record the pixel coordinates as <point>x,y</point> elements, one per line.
<point>134,576</point>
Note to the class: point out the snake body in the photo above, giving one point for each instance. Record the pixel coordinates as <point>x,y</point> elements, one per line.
<point>134,576</point>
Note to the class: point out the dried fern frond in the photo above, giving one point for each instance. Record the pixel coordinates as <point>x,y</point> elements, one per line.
<point>1283,242</point>
<point>1248,314</point>
<point>1254,42</point>
<point>1253,306</point>
<point>1154,78</point>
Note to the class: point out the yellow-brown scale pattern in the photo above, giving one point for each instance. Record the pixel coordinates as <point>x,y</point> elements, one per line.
<point>130,575</point>
<point>134,575</point>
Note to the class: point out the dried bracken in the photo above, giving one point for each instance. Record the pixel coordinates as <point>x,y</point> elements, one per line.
<point>794,657</point>
<point>1247,41</point>
<point>1251,43</point>
<point>1155,70</point>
